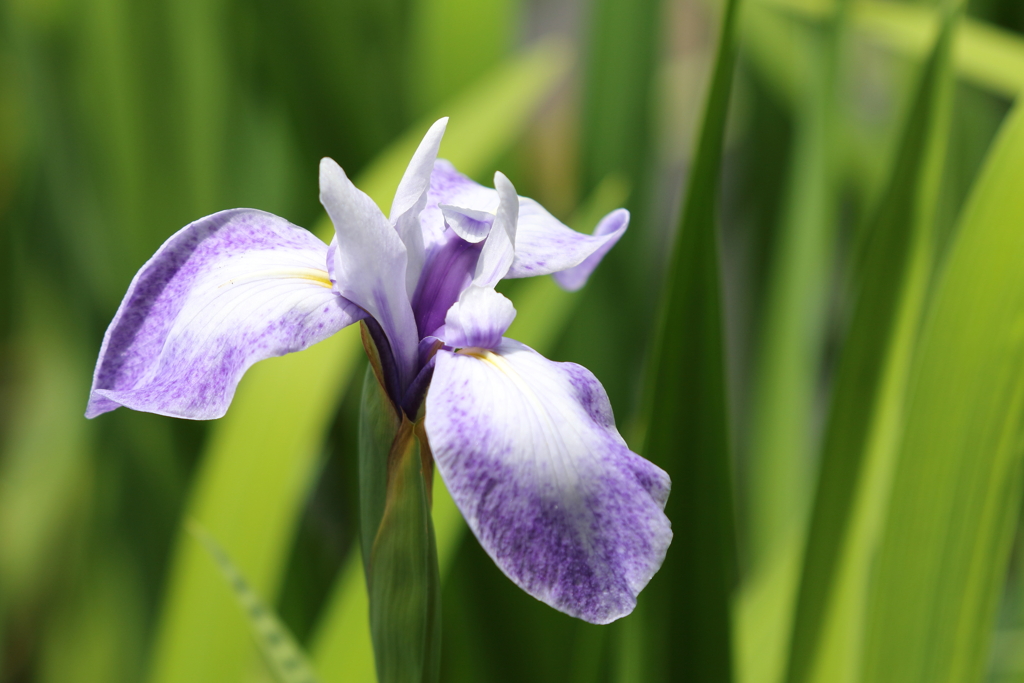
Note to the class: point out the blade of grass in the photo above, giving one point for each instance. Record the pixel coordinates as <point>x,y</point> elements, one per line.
<point>784,424</point>
<point>263,455</point>
<point>687,421</point>
<point>441,67</point>
<point>618,87</point>
<point>985,55</point>
<point>869,390</point>
<point>283,654</point>
<point>792,340</point>
<point>957,487</point>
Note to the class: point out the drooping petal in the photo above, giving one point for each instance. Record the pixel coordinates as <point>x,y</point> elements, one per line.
<point>478,319</point>
<point>449,187</point>
<point>543,244</point>
<point>469,224</point>
<point>368,265</point>
<point>222,293</point>
<point>611,227</point>
<point>411,198</point>
<point>529,450</point>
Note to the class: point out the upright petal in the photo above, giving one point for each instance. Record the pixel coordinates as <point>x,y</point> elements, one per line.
<point>543,244</point>
<point>478,319</point>
<point>222,293</point>
<point>369,263</point>
<point>529,450</point>
<point>498,251</point>
<point>411,198</point>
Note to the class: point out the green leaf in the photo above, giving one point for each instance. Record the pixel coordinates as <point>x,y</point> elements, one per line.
<point>284,656</point>
<point>956,490</point>
<point>262,456</point>
<point>687,428</point>
<point>618,87</point>
<point>402,575</point>
<point>795,311</point>
<point>985,55</point>
<point>858,448</point>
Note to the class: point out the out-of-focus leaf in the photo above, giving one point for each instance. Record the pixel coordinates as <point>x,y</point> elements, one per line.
<point>621,57</point>
<point>200,63</point>
<point>957,486</point>
<point>263,455</point>
<point>786,382</point>
<point>45,462</point>
<point>792,336</point>
<point>440,66</point>
<point>284,656</point>
<point>96,633</point>
<point>687,423</point>
<point>859,445</point>
<point>986,55</point>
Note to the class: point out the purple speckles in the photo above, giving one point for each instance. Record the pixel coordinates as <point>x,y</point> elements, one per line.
<point>531,456</point>
<point>222,293</point>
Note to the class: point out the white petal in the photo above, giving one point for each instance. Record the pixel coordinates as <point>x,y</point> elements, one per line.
<point>411,198</point>
<point>469,224</point>
<point>498,252</point>
<point>369,264</point>
<point>479,319</point>
<point>222,293</point>
<point>545,245</point>
<point>529,450</point>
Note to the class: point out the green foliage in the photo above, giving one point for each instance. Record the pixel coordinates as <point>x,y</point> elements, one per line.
<point>956,488</point>
<point>841,297</point>
<point>687,422</point>
<point>284,656</point>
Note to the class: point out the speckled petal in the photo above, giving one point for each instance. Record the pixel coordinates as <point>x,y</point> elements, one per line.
<point>544,245</point>
<point>529,450</point>
<point>222,293</point>
<point>610,228</point>
<point>368,263</point>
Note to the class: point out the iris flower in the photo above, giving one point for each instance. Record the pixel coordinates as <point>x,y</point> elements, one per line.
<point>527,447</point>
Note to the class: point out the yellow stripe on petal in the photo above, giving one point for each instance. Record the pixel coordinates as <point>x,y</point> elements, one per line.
<point>314,275</point>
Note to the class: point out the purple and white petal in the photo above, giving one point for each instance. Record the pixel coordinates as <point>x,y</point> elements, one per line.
<point>449,187</point>
<point>611,227</point>
<point>545,245</point>
<point>478,319</point>
<point>411,198</point>
<point>369,262</point>
<point>221,294</point>
<point>529,450</point>
<point>469,224</point>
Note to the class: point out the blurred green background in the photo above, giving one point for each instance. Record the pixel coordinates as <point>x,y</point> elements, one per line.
<point>870,286</point>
